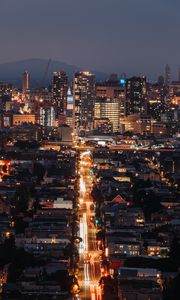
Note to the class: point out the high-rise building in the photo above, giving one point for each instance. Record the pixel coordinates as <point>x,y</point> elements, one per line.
<point>135,95</point>
<point>107,109</point>
<point>103,126</point>
<point>25,85</point>
<point>84,96</point>
<point>167,75</point>
<point>47,117</point>
<point>69,111</point>
<point>5,91</point>
<point>59,91</point>
<point>114,89</point>
<point>179,74</point>
<point>156,99</point>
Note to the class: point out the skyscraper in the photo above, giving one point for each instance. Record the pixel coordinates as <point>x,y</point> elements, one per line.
<point>70,106</point>
<point>47,116</point>
<point>59,91</point>
<point>25,85</point>
<point>135,95</point>
<point>167,75</point>
<point>84,96</point>
<point>108,109</point>
<point>113,89</point>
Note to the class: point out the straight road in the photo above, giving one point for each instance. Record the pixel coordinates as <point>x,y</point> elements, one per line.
<point>89,265</point>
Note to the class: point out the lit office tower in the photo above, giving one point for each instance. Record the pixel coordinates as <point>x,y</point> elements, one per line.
<point>114,89</point>
<point>69,111</point>
<point>167,75</point>
<point>47,116</point>
<point>107,109</point>
<point>25,86</point>
<point>135,95</point>
<point>59,91</point>
<point>84,94</point>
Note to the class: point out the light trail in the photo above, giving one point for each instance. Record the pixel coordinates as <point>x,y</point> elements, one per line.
<point>82,186</point>
<point>86,153</point>
<point>81,246</point>
<point>89,254</point>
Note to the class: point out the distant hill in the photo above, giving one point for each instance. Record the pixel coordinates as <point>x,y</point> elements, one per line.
<point>12,71</point>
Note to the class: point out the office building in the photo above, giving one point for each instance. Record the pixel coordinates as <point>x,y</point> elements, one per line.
<point>137,123</point>
<point>69,111</point>
<point>47,116</point>
<point>19,119</point>
<point>84,95</point>
<point>25,85</point>
<point>59,91</point>
<point>114,89</point>
<point>135,95</point>
<point>65,133</point>
<point>103,126</point>
<point>155,100</point>
<point>109,109</point>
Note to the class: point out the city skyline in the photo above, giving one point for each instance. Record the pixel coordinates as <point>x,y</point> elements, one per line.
<point>136,38</point>
<point>89,150</point>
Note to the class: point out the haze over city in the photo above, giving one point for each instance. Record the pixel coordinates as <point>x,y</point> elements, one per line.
<point>136,37</point>
<point>89,150</point>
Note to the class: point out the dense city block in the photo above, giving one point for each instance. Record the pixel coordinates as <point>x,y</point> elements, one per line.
<point>90,188</point>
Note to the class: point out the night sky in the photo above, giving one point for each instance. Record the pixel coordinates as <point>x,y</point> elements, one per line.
<point>132,36</point>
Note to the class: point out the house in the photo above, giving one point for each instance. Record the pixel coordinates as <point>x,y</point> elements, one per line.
<point>139,284</point>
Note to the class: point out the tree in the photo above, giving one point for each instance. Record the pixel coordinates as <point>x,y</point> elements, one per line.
<point>9,246</point>
<point>24,174</point>
<point>68,251</point>
<point>100,235</point>
<point>146,199</point>
<point>175,250</point>
<point>36,204</point>
<point>39,171</point>
<point>21,199</point>
<point>20,225</point>
<point>172,291</point>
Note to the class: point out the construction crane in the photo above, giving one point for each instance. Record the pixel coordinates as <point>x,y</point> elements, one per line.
<point>45,73</point>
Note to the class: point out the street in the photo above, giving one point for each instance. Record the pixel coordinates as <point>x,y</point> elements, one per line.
<point>89,266</point>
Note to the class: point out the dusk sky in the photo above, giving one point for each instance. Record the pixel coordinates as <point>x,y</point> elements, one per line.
<point>132,36</point>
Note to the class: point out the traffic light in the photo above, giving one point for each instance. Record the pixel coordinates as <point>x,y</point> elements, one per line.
<point>97,222</point>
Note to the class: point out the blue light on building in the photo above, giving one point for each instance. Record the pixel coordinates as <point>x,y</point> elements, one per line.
<point>122,81</point>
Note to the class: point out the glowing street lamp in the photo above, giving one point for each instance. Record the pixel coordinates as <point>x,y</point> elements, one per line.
<point>106,252</point>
